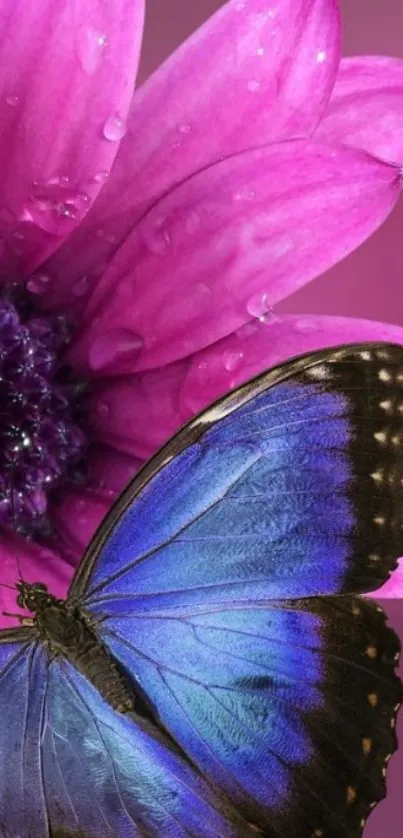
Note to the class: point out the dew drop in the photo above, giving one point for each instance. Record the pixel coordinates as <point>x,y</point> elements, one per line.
<point>53,182</point>
<point>258,305</point>
<point>321,56</point>
<point>91,48</point>
<point>113,347</point>
<point>247,330</point>
<point>245,194</point>
<point>101,177</point>
<point>192,222</point>
<point>306,324</point>
<point>260,51</point>
<point>201,292</point>
<point>254,86</point>
<point>156,237</point>
<point>12,101</point>
<point>38,283</point>
<point>81,286</point>
<point>232,359</point>
<point>65,209</point>
<point>115,128</point>
<point>25,215</point>
<point>185,128</point>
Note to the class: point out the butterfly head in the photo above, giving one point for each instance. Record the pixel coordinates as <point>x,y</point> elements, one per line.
<point>33,596</point>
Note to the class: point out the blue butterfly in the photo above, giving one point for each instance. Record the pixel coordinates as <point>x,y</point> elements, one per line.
<point>213,671</point>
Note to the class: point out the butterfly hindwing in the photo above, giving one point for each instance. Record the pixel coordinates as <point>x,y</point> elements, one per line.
<point>288,708</point>
<point>283,494</point>
<point>73,767</point>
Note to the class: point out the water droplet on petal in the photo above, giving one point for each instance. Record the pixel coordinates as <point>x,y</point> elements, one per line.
<point>91,47</point>
<point>258,305</point>
<point>245,194</point>
<point>232,359</point>
<point>321,56</point>
<point>269,316</point>
<point>13,101</point>
<point>185,128</point>
<point>260,51</point>
<point>101,177</point>
<point>201,291</point>
<point>247,330</point>
<point>156,236</point>
<point>254,86</point>
<point>115,128</point>
<point>54,181</point>
<point>38,283</point>
<point>192,222</point>
<point>306,324</point>
<point>114,346</point>
<point>81,287</point>
<point>65,209</point>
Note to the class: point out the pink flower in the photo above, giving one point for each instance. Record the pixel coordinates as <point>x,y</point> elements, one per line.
<point>162,229</point>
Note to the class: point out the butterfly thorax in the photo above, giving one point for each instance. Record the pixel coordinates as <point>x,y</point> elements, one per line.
<point>68,633</point>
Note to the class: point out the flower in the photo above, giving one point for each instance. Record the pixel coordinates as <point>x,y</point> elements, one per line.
<point>146,239</point>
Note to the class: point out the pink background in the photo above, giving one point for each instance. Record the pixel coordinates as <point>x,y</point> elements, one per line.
<point>367,284</point>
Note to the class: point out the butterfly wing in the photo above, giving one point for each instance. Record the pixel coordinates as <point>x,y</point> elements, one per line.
<point>72,767</point>
<point>202,581</point>
<point>289,487</point>
<point>288,708</point>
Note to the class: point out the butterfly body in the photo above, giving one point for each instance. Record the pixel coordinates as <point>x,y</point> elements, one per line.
<point>67,633</point>
<point>225,587</point>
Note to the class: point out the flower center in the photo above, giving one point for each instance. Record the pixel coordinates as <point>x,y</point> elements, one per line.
<point>42,446</point>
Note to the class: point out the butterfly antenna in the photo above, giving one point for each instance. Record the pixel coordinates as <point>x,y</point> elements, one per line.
<point>14,520</point>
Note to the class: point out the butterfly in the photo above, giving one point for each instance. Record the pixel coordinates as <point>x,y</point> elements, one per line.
<point>214,671</point>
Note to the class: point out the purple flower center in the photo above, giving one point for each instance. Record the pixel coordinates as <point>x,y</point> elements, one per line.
<point>42,446</point>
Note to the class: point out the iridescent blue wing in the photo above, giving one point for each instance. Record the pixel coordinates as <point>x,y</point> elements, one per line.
<point>289,487</point>
<point>72,767</point>
<point>288,708</point>
<point>202,582</point>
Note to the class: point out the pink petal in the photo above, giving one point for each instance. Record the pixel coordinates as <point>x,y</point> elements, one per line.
<point>67,77</point>
<point>138,413</point>
<point>226,245</point>
<point>110,470</point>
<point>76,518</point>
<point>366,107</point>
<point>19,557</point>
<point>393,588</point>
<point>253,74</point>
